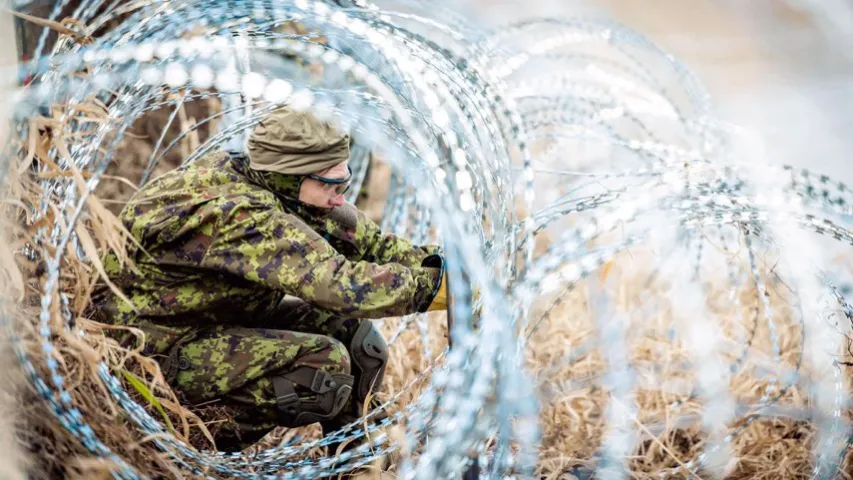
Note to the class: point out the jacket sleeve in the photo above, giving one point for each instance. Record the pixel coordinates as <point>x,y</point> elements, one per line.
<point>352,225</point>
<point>278,251</point>
<point>388,248</point>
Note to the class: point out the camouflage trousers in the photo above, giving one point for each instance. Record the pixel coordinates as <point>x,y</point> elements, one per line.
<point>296,367</point>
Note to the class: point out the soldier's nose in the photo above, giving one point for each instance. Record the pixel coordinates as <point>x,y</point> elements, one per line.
<point>337,201</point>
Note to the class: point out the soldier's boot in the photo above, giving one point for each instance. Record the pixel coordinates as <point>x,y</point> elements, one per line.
<point>369,354</point>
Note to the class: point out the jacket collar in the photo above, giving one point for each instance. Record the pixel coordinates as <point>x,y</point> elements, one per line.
<point>285,187</point>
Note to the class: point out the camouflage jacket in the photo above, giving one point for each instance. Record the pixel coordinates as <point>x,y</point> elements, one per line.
<point>219,243</point>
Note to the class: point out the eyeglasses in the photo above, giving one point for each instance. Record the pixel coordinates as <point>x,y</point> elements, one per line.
<point>341,184</point>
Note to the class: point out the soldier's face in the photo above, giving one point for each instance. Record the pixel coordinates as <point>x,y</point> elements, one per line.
<point>325,195</point>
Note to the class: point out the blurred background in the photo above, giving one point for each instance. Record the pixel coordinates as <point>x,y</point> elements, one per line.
<point>778,68</point>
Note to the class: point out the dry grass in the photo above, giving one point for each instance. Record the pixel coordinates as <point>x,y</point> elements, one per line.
<point>668,422</point>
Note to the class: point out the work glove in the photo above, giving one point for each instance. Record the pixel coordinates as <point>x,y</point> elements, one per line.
<point>439,302</point>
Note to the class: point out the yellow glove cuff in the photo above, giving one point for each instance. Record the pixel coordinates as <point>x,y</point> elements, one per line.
<point>439,302</point>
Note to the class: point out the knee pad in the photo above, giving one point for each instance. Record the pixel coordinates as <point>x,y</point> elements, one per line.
<point>369,355</point>
<point>328,395</point>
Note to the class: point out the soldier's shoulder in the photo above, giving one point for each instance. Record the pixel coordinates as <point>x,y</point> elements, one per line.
<point>214,158</point>
<point>246,202</point>
<point>186,187</point>
<point>211,171</point>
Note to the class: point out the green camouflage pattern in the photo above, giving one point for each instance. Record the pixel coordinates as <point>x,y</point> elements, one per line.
<point>235,365</point>
<point>222,359</point>
<point>216,249</point>
<point>219,243</point>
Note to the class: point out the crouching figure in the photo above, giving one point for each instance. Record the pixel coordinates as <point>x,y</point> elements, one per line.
<point>255,282</point>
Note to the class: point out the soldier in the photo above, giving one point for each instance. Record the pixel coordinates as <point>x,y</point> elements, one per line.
<point>253,281</point>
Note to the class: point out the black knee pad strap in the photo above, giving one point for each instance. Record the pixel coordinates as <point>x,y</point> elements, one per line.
<point>329,394</point>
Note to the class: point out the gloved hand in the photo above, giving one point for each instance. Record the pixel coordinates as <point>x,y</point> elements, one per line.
<point>439,302</point>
